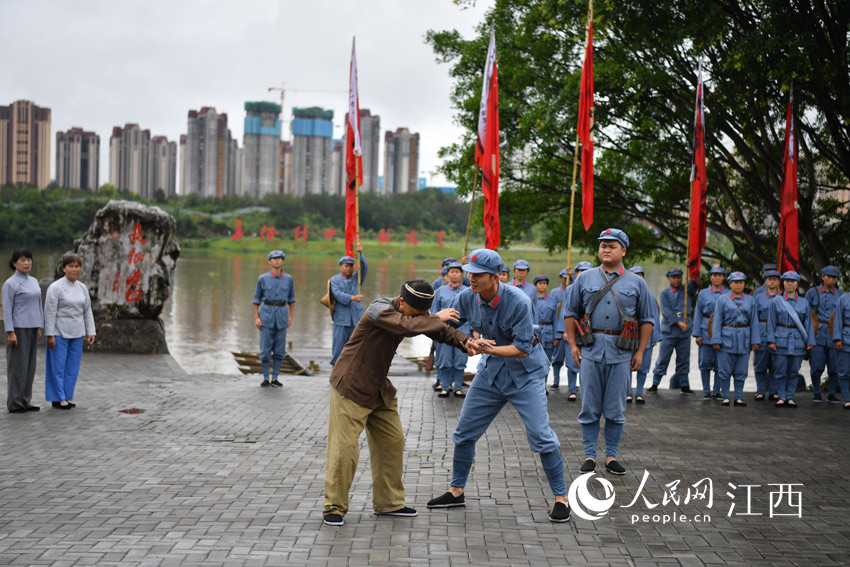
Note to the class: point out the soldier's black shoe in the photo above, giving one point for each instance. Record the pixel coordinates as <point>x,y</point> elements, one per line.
<point>333,519</point>
<point>560,513</point>
<point>589,465</point>
<point>403,512</point>
<point>276,383</point>
<point>614,467</point>
<point>833,399</point>
<point>265,384</point>
<point>687,390</point>
<point>652,388</point>
<point>447,500</point>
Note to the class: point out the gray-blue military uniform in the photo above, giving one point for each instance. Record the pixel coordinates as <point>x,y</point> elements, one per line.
<point>563,346</point>
<point>605,368</point>
<point>275,293</point>
<point>450,361</point>
<point>647,353</point>
<point>764,364</point>
<point>703,311</point>
<point>735,329</point>
<point>506,319</point>
<point>841,332</point>
<point>673,338</point>
<point>791,344</point>
<point>823,355</point>
<point>546,319</point>
<point>346,313</point>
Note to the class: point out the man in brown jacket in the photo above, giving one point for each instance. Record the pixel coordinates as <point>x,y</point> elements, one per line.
<point>363,397</point>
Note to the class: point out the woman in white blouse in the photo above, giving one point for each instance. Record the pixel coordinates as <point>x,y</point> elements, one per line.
<point>67,319</point>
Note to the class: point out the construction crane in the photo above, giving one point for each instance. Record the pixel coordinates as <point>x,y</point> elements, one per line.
<point>283,90</point>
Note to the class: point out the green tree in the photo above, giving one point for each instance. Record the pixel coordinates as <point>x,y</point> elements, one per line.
<point>646,56</point>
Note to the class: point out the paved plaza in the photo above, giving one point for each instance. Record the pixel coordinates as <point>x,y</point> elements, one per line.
<point>217,471</point>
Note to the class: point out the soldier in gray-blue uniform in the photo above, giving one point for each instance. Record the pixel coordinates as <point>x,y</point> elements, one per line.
<point>348,306</point>
<point>734,334</point>
<point>841,340</point>
<point>450,361</point>
<point>764,269</point>
<point>675,333</point>
<point>545,313</point>
<point>521,268</point>
<point>442,279</point>
<point>513,368</point>
<point>558,350</point>
<point>647,355</point>
<point>276,292</point>
<point>703,311</point>
<point>572,367</point>
<point>764,365</point>
<point>504,274</point>
<point>790,334</point>
<point>615,327</point>
<point>822,301</point>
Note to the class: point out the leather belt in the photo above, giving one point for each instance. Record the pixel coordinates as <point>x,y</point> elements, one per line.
<point>679,314</point>
<point>737,326</point>
<point>545,322</point>
<point>535,342</point>
<point>823,322</point>
<point>274,304</point>
<point>605,331</point>
<point>786,326</point>
<point>762,320</point>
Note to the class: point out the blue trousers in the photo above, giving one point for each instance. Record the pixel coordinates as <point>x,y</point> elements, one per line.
<point>272,345</point>
<point>641,374</point>
<point>341,335</point>
<point>787,366</point>
<point>820,358</point>
<point>62,368</point>
<point>603,393</point>
<point>450,363</point>
<point>572,372</point>
<point>707,363</point>
<point>844,371</point>
<point>484,402</point>
<point>682,347</point>
<point>764,367</point>
<point>732,365</point>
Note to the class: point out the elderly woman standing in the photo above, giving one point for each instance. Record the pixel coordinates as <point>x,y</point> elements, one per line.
<point>24,319</point>
<point>67,319</point>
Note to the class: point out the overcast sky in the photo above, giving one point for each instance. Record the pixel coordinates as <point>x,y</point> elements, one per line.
<point>99,64</point>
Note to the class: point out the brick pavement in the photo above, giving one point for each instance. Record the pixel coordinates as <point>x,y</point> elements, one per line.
<point>219,472</point>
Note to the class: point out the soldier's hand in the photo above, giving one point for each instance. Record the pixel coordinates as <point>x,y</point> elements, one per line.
<point>464,260</point>
<point>51,341</point>
<point>576,352</point>
<point>90,340</point>
<point>771,346</point>
<point>716,347</point>
<point>839,345</point>
<point>637,360</point>
<point>682,325</point>
<point>755,347</point>
<point>448,314</point>
<point>699,341</point>
<point>12,339</point>
<point>358,298</point>
<point>258,323</point>
<point>359,247</point>
<point>555,343</point>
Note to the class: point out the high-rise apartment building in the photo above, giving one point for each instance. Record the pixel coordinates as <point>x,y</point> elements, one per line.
<point>208,162</point>
<point>338,173</point>
<point>401,162</point>
<point>163,163</point>
<point>286,168</point>
<point>370,136</point>
<point>78,159</point>
<point>312,149</point>
<point>129,159</point>
<point>25,144</point>
<point>261,149</point>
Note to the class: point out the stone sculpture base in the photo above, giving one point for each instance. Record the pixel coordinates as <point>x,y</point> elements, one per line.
<point>134,336</point>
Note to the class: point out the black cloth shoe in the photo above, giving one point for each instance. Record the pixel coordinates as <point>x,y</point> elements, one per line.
<point>402,512</point>
<point>459,394</point>
<point>706,395</point>
<point>560,513</point>
<point>276,383</point>
<point>265,384</point>
<point>589,465</point>
<point>687,390</point>
<point>615,468</point>
<point>725,402</point>
<point>759,397</point>
<point>653,388</point>
<point>18,410</point>
<point>774,397</point>
<point>333,519</point>
<point>57,405</point>
<point>572,398</point>
<point>639,400</point>
<point>72,404</point>
<point>847,405</point>
<point>833,399</point>
<point>628,399</point>
<point>817,398</point>
<point>36,408</point>
<point>554,386</point>
<point>791,404</point>
<point>717,396</point>
<point>447,500</point>
<point>444,393</point>
<point>740,404</point>
<point>437,386</point>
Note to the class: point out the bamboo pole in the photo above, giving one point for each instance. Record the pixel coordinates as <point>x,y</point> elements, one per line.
<point>357,221</point>
<point>471,208</point>
<point>572,204</point>
<point>687,278</point>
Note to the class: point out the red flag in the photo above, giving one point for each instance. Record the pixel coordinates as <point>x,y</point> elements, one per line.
<point>487,147</point>
<point>788,252</point>
<point>353,158</point>
<point>699,188</point>
<point>585,124</point>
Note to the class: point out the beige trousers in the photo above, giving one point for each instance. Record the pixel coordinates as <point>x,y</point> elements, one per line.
<point>386,449</point>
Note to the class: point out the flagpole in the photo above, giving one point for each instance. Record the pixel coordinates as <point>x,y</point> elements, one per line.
<point>687,278</point>
<point>357,221</point>
<point>471,208</point>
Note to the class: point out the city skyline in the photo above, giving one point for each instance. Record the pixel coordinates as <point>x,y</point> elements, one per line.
<point>150,70</point>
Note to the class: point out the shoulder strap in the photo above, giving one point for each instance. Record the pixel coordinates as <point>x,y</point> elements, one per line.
<point>597,297</point>
<point>795,318</point>
<point>738,307</point>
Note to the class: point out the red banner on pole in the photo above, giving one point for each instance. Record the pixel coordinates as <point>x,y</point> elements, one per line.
<point>353,158</point>
<point>585,124</point>
<point>487,147</point>
<point>699,188</point>
<point>788,253</point>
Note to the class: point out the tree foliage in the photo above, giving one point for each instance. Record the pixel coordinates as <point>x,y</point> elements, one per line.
<point>646,57</point>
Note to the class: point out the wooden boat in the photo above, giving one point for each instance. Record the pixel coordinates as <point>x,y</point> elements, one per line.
<point>249,363</point>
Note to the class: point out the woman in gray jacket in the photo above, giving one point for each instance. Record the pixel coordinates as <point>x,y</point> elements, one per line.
<point>67,320</point>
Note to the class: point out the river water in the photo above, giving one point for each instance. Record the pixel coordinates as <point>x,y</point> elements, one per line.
<point>210,314</point>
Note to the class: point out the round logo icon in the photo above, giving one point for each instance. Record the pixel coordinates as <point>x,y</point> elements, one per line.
<point>584,504</point>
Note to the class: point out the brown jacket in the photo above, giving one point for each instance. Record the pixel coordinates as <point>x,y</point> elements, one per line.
<point>360,372</point>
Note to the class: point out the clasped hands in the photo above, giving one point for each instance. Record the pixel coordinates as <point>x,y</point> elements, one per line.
<point>472,346</point>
